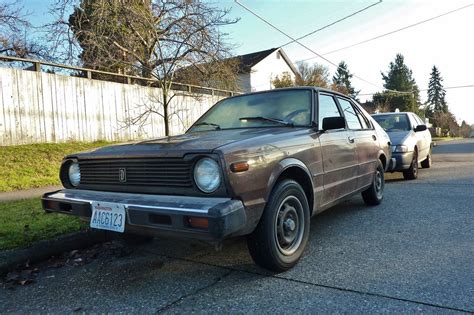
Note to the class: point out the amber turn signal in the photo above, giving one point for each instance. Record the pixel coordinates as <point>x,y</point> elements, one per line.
<point>198,223</point>
<point>239,167</point>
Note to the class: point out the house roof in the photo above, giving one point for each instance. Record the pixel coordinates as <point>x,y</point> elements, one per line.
<point>247,61</point>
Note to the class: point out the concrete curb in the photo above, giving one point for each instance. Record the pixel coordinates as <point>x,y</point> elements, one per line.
<point>43,250</point>
<point>27,194</point>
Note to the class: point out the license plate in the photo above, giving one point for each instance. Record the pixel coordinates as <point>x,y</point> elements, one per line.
<point>108,216</point>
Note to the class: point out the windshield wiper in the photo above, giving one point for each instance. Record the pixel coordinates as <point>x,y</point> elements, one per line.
<point>208,124</point>
<point>278,121</point>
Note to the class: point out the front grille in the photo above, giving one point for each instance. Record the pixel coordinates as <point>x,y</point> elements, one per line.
<point>157,172</point>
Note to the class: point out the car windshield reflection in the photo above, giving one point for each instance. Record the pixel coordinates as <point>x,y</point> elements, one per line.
<point>284,108</point>
<point>393,122</point>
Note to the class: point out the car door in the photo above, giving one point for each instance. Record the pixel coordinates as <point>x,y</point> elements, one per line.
<point>365,140</point>
<point>421,140</point>
<point>426,136</point>
<point>338,154</point>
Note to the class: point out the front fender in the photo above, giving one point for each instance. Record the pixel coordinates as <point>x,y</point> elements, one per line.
<point>280,168</point>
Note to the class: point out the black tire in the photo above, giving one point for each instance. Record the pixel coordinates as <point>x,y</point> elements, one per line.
<point>412,171</point>
<point>374,194</point>
<point>281,236</point>
<point>427,162</point>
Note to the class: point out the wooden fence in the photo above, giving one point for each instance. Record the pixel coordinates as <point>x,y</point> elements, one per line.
<point>42,107</point>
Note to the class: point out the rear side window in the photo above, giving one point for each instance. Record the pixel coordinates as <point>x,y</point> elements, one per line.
<point>327,108</point>
<point>413,121</point>
<point>362,118</point>
<point>419,120</point>
<point>350,114</point>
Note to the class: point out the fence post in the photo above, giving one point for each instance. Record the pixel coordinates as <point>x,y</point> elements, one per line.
<point>37,66</point>
<point>89,74</point>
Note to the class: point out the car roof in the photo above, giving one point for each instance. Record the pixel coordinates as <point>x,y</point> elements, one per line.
<point>314,88</point>
<point>392,113</point>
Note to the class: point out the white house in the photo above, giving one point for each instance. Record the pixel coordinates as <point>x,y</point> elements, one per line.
<point>257,70</point>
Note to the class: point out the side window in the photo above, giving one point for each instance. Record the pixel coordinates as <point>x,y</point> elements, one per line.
<point>350,114</point>
<point>363,120</point>
<point>419,120</point>
<point>413,121</point>
<point>327,108</point>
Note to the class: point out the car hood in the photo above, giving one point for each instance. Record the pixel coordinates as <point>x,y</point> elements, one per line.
<point>177,146</point>
<point>398,137</point>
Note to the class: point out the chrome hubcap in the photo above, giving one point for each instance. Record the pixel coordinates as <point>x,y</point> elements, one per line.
<point>378,183</point>
<point>415,164</point>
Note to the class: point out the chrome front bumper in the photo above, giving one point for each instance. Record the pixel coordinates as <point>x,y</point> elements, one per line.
<point>158,214</point>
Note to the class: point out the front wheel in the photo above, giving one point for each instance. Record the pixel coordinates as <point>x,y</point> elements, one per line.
<point>412,171</point>
<point>280,238</point>
<point>427,162</point>
<point>374,194</point>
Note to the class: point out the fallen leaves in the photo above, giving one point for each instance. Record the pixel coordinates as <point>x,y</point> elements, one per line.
<point>26,274</point>
<point>23,275</point>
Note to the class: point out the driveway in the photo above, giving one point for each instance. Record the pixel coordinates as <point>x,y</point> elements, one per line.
<point>413,253</point>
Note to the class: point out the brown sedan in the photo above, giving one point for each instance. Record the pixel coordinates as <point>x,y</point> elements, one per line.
<point>258,164</point>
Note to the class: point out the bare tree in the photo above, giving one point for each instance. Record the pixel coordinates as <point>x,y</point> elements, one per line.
<point>14,29</point>
<point>315,75</point>
<point>154,37</point>
<point>284,80</point>
<point>308,75</point>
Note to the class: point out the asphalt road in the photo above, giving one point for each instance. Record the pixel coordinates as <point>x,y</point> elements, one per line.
<point>413,253</point>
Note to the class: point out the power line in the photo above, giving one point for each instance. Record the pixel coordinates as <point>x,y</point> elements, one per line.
<point>309,49</point>
<point>331,24</point>
<point>454,87</point>
<point>394,31</point>
<point>424,90</point>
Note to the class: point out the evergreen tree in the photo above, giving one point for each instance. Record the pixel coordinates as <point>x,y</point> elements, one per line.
<point>341,81</point>
<point>399,78</point>
<point>92,21</point>
<point>436,94</point>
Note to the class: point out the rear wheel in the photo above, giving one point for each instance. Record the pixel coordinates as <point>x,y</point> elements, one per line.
<point>412,171</point>
<point>427,162</point>
<point>374,194</point>
<point>280,238</point>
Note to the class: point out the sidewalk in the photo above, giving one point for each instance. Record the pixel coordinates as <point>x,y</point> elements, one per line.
<point>26,194</point>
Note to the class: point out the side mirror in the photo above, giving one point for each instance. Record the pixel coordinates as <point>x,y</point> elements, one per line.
<point>330,123</point>
<point>420,128</point>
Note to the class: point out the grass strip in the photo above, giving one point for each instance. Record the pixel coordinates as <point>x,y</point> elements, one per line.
<point>24,222</point>
<point>36,165</point>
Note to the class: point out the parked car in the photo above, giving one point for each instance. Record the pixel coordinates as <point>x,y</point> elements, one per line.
<point>411,141</point>
<point>258,164</point>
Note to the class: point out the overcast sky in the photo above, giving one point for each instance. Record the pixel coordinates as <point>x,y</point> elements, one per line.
<point>446,42</point>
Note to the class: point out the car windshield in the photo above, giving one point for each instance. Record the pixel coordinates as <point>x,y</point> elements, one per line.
<point>393,122</point>
<point>276,108</point>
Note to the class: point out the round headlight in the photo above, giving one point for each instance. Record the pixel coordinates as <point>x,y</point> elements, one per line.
<point>207,175</point>
<point>74,174</point>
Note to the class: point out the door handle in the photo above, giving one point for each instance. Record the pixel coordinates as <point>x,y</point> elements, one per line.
<point>374,137</point>
<point>351,139</point>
